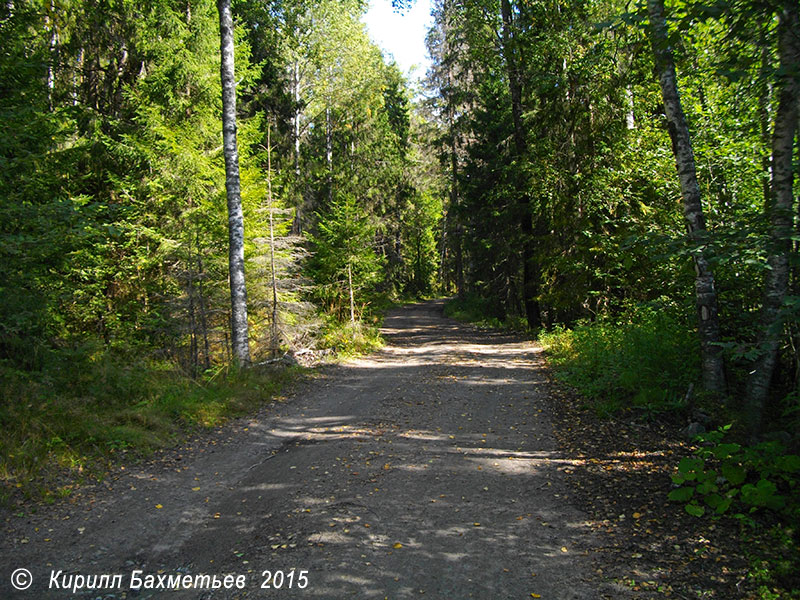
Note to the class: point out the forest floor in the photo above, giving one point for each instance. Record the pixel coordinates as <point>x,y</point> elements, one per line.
<point>446,465</point>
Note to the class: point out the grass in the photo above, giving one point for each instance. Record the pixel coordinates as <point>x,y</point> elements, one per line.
<point>645,359</point>
<point>352,339</point>
<point>88,406</point>
<point>84,407</point>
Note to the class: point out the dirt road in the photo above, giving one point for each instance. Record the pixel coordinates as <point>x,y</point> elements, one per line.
<point>425,470</point>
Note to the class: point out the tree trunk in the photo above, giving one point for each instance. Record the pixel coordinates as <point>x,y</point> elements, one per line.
<point>299,216</point>
<point>239,335</point>
<point>459,262</point>
<point>193,348</point>
<point>51,77</point>
<point>764,94</point>
<point>530,273</point>
<point>780,213</point>
<point>708,318</point>
<point>443,279</point>
<point>274,329</point>
<point>630,118</point>
<point>329,151</point>
<point>203,311</point>
<point>296,118</point>
<point>350,287</point>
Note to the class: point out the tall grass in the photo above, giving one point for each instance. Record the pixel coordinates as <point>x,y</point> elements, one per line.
<point>646,358</point>
<point>352,339</point>
<point>89,404</point>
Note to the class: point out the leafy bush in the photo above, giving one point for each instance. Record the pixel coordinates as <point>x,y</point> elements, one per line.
<point>647,358</point>
<point>726,475</point>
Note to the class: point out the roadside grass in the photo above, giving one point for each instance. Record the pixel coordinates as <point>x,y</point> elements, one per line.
<point>352,339</point>
<point>645,359</point>
<point>87,407</point>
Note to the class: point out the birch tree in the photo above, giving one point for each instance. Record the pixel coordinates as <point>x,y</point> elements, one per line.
<point>705,292</point>
<point>780,209</point>
<point>239,335</point>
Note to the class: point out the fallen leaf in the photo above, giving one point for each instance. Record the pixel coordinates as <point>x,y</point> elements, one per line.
<point>397,545</point>
<point>159,506</point>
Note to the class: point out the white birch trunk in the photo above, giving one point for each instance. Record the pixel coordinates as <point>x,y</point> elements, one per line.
<point>274,330</point>
<point>705,292</point>
<point>630,119</point>
<point>780,212</point>
<point>329,152</point>
<point>51,76</point>
<point>296,118</point>
<point>239,334</point>
<point>352,300</point>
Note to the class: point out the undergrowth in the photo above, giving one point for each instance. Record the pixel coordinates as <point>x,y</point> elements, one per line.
<point>757,485</point>
<point>349,339</point>
<point>86,405</point>
<point>645,359</point>
<point>472,308</point>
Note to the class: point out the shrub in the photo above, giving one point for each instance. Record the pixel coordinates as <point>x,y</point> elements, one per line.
<point>647,358</point>
<point>725,476</point>
<point>89,403</point>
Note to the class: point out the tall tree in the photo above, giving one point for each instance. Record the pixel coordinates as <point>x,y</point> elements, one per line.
<point>239,331</point>
<point>705,292</point>
<point>780,210</point>
<point>530,274</point>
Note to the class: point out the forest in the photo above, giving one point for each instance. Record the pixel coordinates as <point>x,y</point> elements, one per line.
<point>115,298</point>
<point>191,191</point>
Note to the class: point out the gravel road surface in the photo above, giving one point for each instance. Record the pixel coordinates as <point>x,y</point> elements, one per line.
<point>426,470</point>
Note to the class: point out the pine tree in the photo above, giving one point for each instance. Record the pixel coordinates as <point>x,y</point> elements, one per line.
<point>345,266</point>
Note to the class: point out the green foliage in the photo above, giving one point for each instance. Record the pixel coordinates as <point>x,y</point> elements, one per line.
<point>473,308</point>
<point>420,254</point>
<point>344,258</point>
<point>646,358</point>
<point>729,477</point>
<point>90,404</point>
<point>774,559</point>
<point>597,175</point>
<point>350,339</point>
